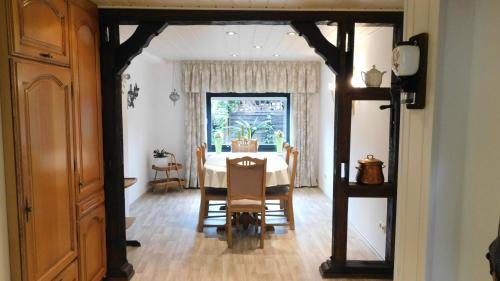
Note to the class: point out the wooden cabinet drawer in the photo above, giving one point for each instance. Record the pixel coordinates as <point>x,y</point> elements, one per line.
<point>92,245</point>
<point>69,274</point>
<point>40,30</point>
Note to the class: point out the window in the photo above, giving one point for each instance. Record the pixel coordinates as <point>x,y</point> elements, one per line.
<point>232,114</point>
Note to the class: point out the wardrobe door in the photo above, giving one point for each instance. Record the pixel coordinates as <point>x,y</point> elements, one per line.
<point>86,77</point>
<point>92,245</point>
<point>47,211</point>
<point>40,29</point>
<point>69,274</point>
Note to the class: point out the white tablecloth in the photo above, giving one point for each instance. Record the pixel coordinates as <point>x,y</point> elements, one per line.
<point>215,168</point>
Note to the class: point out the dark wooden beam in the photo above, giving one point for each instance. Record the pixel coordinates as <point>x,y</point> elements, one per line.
<point>129,49</point>
<point>358,269</point>
<point>118,266</point>
<point>317,41</point>
<point>245,17</point>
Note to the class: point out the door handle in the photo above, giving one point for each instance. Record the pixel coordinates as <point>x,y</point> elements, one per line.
<point>28,209</point>
<point>46,55</point>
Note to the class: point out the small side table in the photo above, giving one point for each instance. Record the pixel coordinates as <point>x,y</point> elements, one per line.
<point>130,220</point>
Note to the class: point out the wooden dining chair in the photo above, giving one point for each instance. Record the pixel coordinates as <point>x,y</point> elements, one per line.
<point>287,149</point>
<point>284,193</point>
<point>207,194</point>
<point>246,183</point>
<point>204,149</point>
<point>249,146</point>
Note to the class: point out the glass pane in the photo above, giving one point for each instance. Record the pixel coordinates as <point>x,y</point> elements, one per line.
<point>249,117</point>
<point>369,134</point>
<point>366,234</point>
<point>372,47</point>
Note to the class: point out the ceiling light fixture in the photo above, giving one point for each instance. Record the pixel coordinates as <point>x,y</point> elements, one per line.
<point>234,55</point>
<point>291,33</point>
<point>257,47</point>
<point>231,33</point>
<point>276,55</point>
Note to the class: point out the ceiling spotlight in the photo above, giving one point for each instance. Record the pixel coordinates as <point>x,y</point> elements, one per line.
<point>276,55</point>
<point>257,47</point>
<point>234,55</point>
<point>291,33</point>
<point>231,33</point>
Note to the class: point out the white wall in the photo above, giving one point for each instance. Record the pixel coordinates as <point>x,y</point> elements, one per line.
<point>465,191</point>
<point>450,134</point>
<point>481,202</point>
<point>326,131</point>
<point>369,135</point>
<point>154,122</point>
<point>4,242</point>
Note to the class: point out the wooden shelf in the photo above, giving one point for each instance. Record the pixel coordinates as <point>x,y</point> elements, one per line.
<point>384,190</point>
<point>370,94</point>
<point>129,182</point>
<point>129,221</point>
<point>169,167</point>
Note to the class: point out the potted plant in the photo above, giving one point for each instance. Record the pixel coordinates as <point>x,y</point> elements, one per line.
<point>279,139</point>
<point>159,156</point>
<point>218,138</point>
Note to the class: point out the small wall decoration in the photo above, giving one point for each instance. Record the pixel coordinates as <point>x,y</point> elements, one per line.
<point>174,96</point>
<point>132,95</point>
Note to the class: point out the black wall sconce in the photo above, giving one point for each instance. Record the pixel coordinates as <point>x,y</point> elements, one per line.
<point>409,64</point>
<point>132,95</point>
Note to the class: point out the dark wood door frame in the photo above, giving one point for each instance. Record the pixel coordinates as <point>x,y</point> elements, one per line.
<point>115,57</point>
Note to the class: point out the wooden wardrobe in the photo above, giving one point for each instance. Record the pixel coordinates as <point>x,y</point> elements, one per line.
<point>52,103</point>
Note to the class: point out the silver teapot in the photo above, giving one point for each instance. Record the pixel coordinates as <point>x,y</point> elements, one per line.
<point>373,77</point>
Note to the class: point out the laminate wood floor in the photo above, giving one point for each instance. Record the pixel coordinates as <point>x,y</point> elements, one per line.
<point>173,250</point>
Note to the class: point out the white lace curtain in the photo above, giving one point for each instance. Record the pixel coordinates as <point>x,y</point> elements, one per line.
<point>299,78</point>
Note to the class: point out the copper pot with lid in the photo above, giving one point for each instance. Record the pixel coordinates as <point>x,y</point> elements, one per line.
<point>370,171</point>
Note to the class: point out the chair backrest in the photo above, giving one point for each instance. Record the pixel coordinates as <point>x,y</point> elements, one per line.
<point>203,148</point>
<point>292,168</point>
<point>246,178</point>
<point>287,149</point>
<point>249,146</point>
<point>200,168</point>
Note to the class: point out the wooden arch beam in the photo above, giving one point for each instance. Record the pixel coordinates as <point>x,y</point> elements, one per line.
<point>316,40</point>
<point>131,48</point>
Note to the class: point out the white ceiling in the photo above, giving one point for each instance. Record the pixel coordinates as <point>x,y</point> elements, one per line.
<point>211,42</point>
<point>259,4</point>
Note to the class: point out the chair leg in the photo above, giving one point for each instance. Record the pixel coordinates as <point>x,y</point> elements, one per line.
<point>262,227</point>
<point>201,216</point>
<point>207,207</point>
<point>229,229</point>
<point>291,219</point>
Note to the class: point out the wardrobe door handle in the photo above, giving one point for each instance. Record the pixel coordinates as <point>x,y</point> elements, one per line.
<point>46,55</point>
<point>28,210</point>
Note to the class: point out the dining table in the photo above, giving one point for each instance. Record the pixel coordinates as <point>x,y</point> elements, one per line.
<point>216,175</point>
<point>216,170</point>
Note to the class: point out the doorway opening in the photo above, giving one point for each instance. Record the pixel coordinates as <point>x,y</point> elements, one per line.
<point>342,93</point>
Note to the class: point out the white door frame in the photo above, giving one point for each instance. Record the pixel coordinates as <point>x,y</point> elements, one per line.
<point>415,154</point>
